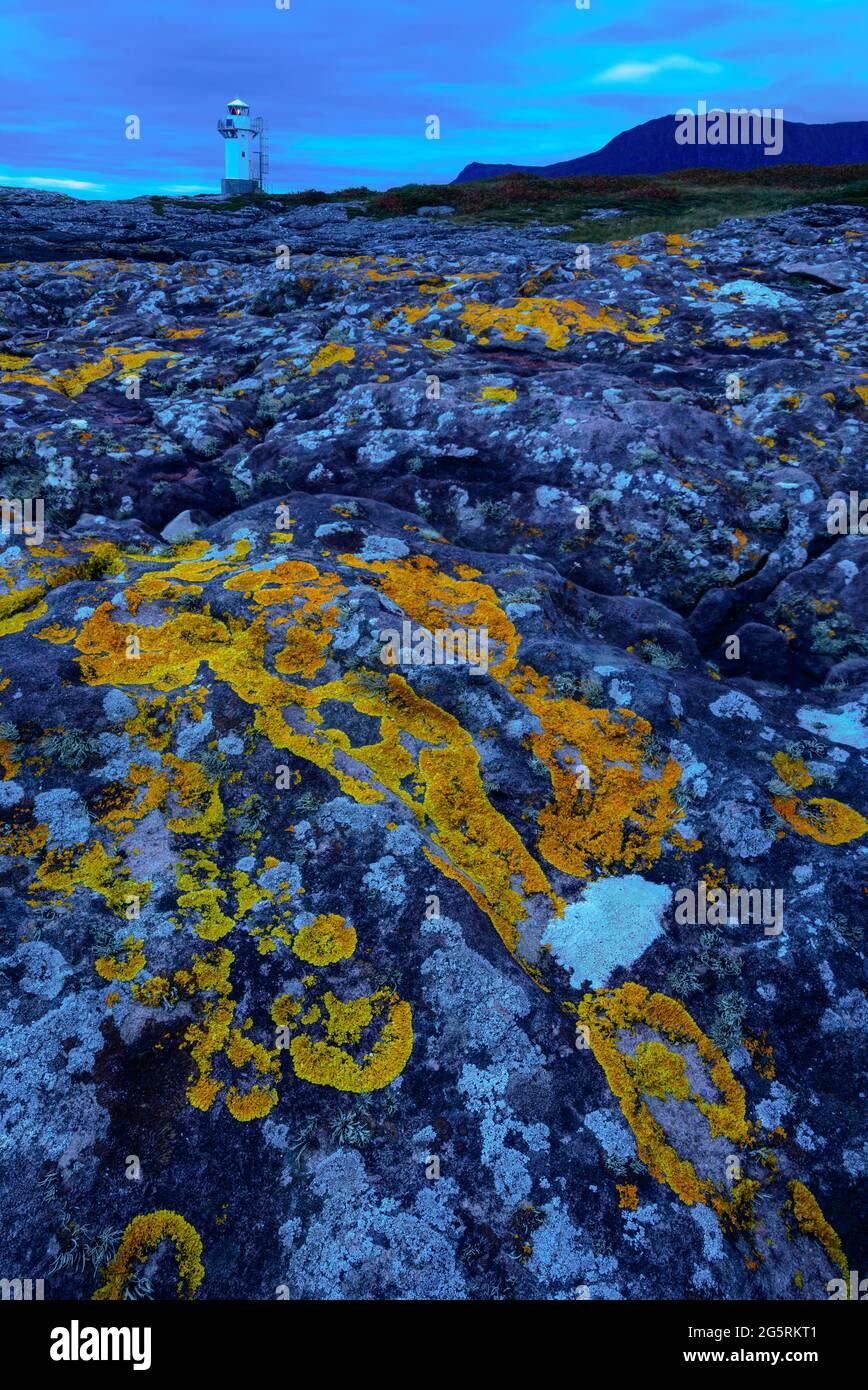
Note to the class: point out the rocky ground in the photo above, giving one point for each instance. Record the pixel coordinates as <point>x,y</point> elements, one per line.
<point>331,973</point>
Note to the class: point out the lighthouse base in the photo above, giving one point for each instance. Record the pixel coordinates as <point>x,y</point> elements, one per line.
<point>229,187</point>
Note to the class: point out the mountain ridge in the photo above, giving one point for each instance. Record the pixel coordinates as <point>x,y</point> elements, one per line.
<point>651,148</point>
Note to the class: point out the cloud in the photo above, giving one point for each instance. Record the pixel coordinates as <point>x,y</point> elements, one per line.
<point>639,72</point>
<point>681,17</point>
<point>37,182</point>
<point>345,88</point>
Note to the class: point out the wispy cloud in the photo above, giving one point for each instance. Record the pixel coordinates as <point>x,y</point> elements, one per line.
<point>641,72</point>
<point>33,181</point>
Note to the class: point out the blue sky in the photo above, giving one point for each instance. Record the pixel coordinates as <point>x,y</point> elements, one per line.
<point>346,85</point>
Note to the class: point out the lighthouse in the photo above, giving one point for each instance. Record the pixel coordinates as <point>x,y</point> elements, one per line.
<point>244,164</point>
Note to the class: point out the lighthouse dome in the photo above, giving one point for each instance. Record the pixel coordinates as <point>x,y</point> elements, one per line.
<point>237,106</point>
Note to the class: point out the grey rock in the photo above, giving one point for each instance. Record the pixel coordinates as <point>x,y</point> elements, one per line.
<point>180,528</point>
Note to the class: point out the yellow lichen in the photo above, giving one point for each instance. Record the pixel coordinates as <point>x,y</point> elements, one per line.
<point>499,395</point>
<point>127,968</point>
<point>325,941</point>
<point>74,380</point>
<point>329,1063</point>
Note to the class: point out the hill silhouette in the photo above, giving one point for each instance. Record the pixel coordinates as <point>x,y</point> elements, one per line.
<point>651,148</point>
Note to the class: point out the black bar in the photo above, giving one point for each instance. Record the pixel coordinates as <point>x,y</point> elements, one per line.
<point>642,1337</point>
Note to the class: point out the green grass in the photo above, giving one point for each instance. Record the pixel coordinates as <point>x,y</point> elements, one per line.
<point>311,197</point>
<point>678,202</point>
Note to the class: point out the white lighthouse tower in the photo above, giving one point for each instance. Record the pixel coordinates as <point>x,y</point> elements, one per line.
<point>243,173</point>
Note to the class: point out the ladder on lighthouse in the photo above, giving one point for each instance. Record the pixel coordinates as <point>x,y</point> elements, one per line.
<point>261,131</point>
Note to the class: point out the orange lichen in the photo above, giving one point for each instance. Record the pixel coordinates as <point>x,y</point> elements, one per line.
<point>422,762</point>
<point>328,356</point>
<point>811,1222</point>
<point>658,1071</point>
<point>792,771</point>
<point>64,870</point>
<point>762,1055</point>
<point>620,818</point>
<point>737,1213</point>
<point>153,993</point>
<point>557,320</point>
<point>254,1104</point>
<point>76,379</point>
<point>821,818</point>
<point>199,893</point>
<point>210,1033</point>
<point>142,1236</point>
<point>655,1070</point>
